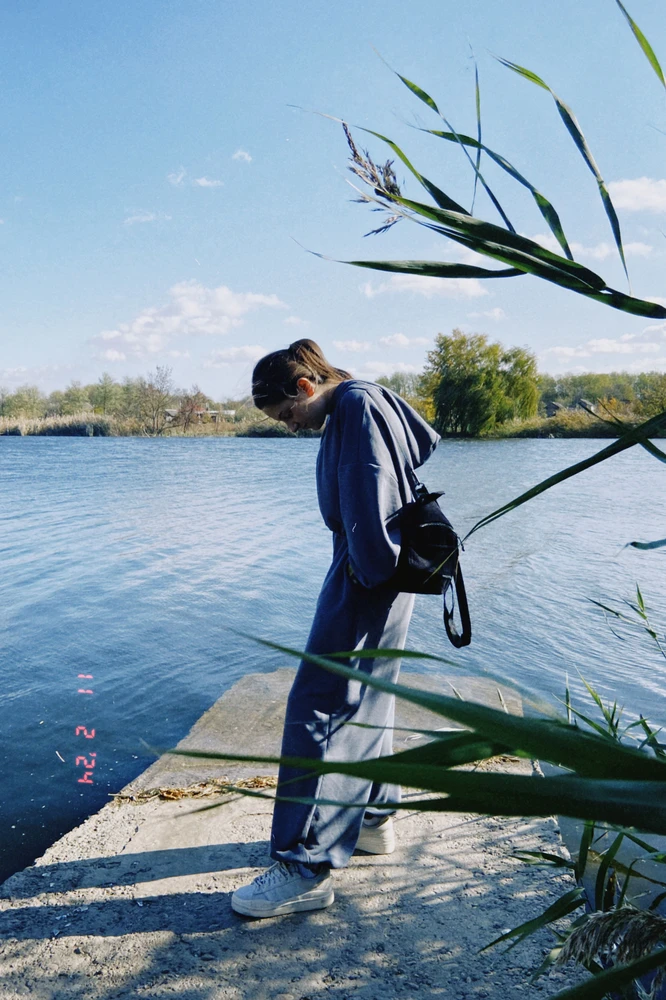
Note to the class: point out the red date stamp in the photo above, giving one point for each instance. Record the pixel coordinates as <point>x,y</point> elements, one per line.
<point>87,761</point>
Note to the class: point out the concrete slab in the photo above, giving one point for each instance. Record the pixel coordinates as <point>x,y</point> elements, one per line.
<point>248,719</point>
<point>135,901</point>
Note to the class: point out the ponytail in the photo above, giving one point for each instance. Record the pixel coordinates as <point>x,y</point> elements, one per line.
<point>275,375</point>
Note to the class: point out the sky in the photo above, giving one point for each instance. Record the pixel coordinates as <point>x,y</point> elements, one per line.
<point>167,167</point>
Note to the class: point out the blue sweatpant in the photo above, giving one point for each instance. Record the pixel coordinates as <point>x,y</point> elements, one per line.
<point>319,709</point>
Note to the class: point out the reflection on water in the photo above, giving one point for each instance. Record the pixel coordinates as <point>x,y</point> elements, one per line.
<point>132,560</point>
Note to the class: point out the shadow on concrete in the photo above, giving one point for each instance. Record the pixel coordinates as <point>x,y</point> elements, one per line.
<point>409,925</point>
<point>130,869</point>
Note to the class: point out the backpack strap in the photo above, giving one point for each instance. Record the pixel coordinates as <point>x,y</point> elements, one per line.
<point>418,488</point>
<point>463,638</point>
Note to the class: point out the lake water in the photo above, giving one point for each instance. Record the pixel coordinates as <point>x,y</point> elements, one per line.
<point>125,563</point>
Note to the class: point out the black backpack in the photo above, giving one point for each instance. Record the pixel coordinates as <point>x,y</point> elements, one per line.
<point>429,558</point>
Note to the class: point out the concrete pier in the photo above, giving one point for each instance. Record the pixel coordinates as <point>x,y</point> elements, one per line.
<point>135,901</point>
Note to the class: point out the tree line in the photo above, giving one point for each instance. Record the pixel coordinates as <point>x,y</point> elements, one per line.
<point>140,402</point>
<point>470,386</point>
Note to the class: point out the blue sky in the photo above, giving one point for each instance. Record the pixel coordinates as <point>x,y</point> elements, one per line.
<point>158,186</point>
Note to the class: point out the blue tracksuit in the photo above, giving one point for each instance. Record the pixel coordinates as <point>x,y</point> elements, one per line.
<point>370,436</point>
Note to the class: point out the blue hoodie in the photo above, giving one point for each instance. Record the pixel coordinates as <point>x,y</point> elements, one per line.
<point>371,436</point>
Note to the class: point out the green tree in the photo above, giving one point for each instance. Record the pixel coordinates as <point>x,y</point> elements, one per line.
<point>26,401</point>
<point>403,383</point>
<point>106,395</point>
<point>548,391</point>
<point>75,399</point>
<point>651,393</point>
<point>54,404</point>
<point>518,371</point>
<point>475,385</point>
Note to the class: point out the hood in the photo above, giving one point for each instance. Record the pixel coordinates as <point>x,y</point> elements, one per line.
<point>417,437</point>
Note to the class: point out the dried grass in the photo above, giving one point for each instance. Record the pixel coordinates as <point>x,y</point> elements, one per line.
<point>616,938</point>
<point>201,789</point>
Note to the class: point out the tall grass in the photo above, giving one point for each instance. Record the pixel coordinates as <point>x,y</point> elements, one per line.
<point>76,425</point>
<point>565,424</point>
<point>96,425</point>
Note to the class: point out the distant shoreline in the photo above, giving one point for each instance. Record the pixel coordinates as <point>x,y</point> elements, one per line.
<point>568,424</point>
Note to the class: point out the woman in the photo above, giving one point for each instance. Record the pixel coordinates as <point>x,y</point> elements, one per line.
<point>371,438</point>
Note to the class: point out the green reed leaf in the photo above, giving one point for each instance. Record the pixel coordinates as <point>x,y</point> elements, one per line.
<point>644,44</point>
<point>632,437</point>
<point>584,849</point>
<point>395,654</point>
<point>421,94</point>
<point>576,133</point>
<point>641,602</point>
<point>517,251</point>
<point>659,544</point>
<point>494,794</point>
<point>477,102</point>
<point>435,269</point>
<point>562,907</point>
<point>627,303</point>
<point>600,882</point>
<point>555,741</point>
<point>545,207</point>
<point>615,421</point>
<point>611,980</point>
<point>510,248</point>
<point>438,196</point>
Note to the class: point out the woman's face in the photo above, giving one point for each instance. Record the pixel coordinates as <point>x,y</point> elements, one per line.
<point>304,411</point>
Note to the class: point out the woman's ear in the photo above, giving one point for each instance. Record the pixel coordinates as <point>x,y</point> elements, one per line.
<point>306,386</point>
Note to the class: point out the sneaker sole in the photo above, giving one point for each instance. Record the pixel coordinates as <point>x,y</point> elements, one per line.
<point>247,908</point>
<point>377,841</point>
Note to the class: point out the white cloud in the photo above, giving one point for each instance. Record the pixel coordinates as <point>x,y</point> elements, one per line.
<point>177,177</point>
<point>353,346</point>
<point>36,375</point>
<point>373,369</point>
<point>192,309</point>
<point>645,347</point>
<point>641,194</point>
<point>600,251</point>
<point>2,222</point>
<point>235,356</point>
<point>295,321</point>
<point>400,340</point>
<point>132,220</point>
<point>496,314</point>
<point>637,249</point>
<point>113,355</point>
<point>207,182</point>
<point>457,288</point>
<point>603,250</point>
<point>395,340</point>
<point>241,154</point>
<point>11,374</point>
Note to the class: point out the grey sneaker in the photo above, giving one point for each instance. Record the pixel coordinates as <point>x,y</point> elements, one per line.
<point>282,889</point>
<point>377,839</point>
